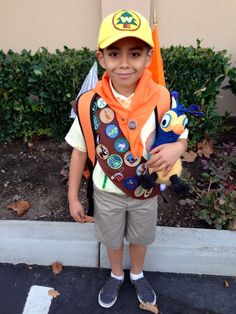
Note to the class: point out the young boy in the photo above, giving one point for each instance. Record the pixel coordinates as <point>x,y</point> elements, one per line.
<point>124,120</point>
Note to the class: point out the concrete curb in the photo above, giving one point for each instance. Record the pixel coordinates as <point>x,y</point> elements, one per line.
<point>178,250</point>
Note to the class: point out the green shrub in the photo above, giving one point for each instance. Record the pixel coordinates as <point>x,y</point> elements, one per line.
<point>217,197</point>
<point>36,89</point>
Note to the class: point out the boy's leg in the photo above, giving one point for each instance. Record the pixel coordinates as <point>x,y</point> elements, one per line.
<point>137,256</point>
<point>116,257</point>
<point>110,217</point>
<point>141,229</point>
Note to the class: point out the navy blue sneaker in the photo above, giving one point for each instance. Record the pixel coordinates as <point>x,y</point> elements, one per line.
<point>144,291</point>
<point>109,293</point>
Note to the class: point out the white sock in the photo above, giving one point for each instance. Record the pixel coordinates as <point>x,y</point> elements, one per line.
<point>135,276</point>
<point>117,277</point>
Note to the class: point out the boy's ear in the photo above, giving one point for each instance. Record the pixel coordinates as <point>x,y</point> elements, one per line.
<point>100,57</point>
<point>149,57</point>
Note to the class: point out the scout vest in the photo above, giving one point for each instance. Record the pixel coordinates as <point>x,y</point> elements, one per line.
<point>107,144</point>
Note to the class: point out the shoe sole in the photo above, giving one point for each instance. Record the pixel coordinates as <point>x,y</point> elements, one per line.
<point>105,305</point>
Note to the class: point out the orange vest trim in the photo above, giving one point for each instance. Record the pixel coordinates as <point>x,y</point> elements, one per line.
<point>83,110</point>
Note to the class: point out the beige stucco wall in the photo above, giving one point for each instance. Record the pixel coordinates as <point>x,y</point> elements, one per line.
<point>213,21</point>
<point>31,24</point>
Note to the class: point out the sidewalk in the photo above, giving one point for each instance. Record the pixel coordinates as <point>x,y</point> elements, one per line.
<point>78,288</point>
<point>175,250</point>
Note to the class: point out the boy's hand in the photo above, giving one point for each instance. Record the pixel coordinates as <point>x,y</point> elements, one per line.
<point>165,155</point>
<point>77,211</point>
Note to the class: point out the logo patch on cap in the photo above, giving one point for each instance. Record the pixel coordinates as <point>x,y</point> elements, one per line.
<point>126,21</point>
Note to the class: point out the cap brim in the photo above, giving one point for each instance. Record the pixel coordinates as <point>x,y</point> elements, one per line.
<point>114,38</point>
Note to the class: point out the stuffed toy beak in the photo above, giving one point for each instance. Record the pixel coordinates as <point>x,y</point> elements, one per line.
<point>178,128</point>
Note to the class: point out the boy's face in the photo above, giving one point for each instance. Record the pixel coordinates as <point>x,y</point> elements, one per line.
<point>125,61</point>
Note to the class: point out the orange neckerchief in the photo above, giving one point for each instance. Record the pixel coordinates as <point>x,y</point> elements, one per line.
<point>145,100</point>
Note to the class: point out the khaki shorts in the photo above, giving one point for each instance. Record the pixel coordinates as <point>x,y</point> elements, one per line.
<point>117,216</point>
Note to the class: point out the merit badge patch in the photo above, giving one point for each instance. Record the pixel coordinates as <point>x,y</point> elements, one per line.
<point>131,183</point>
<point>112,131</point>
<point>126,21</point>
<point>118,176</point>
<point>139,191</point>
<point>141,169</point>
<point>94,107</point>
<point>106,115</point>
<point>96,122</point>
<point>130,160</point>
<point>121,145</point>
<point>114,161</point>
<point>101,103</point>
<point>102,151</point>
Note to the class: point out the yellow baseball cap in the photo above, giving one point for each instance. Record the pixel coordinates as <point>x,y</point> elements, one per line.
<point>122,24</point>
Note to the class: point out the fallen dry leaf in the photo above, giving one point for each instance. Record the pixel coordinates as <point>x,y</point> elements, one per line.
<point>89,218</point>
<point>53,293</point>
<point>20,206</point>
<point>226,284</point>
<point>205,148</point>
<point>56,267</point>
<point>189,156</point>
<point>149,307</point>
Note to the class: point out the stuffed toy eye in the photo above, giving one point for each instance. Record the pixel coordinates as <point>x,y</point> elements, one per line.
<point>166,120</point>
<point>185,122</point>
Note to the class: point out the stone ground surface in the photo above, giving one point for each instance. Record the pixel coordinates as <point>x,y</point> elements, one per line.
<point>78,288</point>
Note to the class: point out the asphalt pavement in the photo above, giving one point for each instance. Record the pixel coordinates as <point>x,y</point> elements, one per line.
<point>78,288</point>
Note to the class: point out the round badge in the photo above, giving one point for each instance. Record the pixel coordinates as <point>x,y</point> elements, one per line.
<point>131,183</point>
<point>96,122</point>
<point>148,192</point>
<point>101,103</point>
<point>121,145</point>
<point>132,124</point>
<point>106,115</point>
<point>141,169</point>
<point>102,151</point>
<point>114,161</point>
<point>112,131</point>
<point>139,191</point>
<point>94,107</point>
<point>130,160</point>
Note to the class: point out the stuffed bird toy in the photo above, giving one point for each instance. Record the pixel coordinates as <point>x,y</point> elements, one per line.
<point>172,125</point>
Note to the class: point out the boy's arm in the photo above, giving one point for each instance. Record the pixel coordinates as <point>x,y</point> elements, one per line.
<point>77,164</point>
<point>165,155</point>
